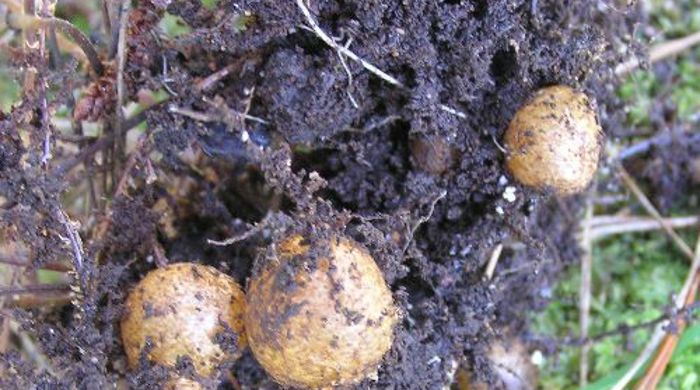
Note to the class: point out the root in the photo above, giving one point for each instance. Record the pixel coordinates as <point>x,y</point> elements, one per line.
<point>344,51</point>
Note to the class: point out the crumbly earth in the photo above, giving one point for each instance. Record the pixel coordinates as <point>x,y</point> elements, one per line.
<point>333,153</point>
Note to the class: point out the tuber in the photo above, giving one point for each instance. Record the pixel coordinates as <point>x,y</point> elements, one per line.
<point>321,314</point>
<point>180,310</point>
<point>431,154</point>
<point>554,141</point>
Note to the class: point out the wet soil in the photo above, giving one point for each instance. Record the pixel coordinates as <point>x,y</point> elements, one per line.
<point>339,148</point>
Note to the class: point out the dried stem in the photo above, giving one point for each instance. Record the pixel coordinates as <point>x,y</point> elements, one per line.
<point>661,51</point>
<point>25,21</point>
<point>659,140</point>
<point>43,86</point>
<point>252,230</point>
<point>40,300</point>
<point>660,329</point>
<point>21,263</point>
<point>121,63</point>
<point>74,239</point>
<point>585,289</point>
<point>35,289</point>
<point>649,207</point>
<point>85,154</point>
<point>209,81</point>
<point>106,17</point>
<point>493,261</point>
<point>618,225</point>
<point>131,162</point>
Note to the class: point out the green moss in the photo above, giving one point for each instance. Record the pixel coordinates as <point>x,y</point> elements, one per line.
<point>634,278</point>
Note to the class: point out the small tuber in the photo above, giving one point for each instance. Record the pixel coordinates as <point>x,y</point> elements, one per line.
<point>321,314</point>
<point>554,141</point>
<point>180,310</point>
<point>431,154</point>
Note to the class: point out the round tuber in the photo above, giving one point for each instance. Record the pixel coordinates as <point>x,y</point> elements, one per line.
<point>321,314</point>
<point>431,154</point>
<point>554,141</point>
<point>180,310</point>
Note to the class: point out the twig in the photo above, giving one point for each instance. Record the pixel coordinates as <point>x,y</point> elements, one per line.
<point>131,162</point>
<point>35,289</point>
<point>381,123</point>
<point>74,238</point>
<point>40,300</point>
<point>85,154</point>
<point>204,117</point>
<point>423,219</point>
<point>649,207</point>
<point>30,44</point>
<point>252,230</point>
<point>603,220</point>
<point>621,225</point>
<point>220,104</point>
<point>585,289</point>
<point>349,73</point>
<point>106,17</point>
<point>661,51</point>
<point>493,261</point>
<point>121,63</point>
<point>198,116</point>
<point>660,331</point>
<point>103,142</point>
<point>452,111</point>
<point>21,263</point>
<point>209,81</point>
<point>659,140</point>
<point>43,87</point>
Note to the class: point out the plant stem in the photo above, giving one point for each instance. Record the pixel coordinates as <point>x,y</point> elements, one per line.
<point>24,21</point>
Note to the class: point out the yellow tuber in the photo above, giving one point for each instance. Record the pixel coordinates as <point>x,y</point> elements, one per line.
<point>321,314</point>
<point>554,141</point>
<point>180,309</point>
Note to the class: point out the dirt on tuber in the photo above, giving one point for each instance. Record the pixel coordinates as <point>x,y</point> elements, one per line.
<point>554,141</point>
<point>179,310</point>
<point>320,314</point>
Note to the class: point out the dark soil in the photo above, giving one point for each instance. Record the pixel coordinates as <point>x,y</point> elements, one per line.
<point>431,220</point>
